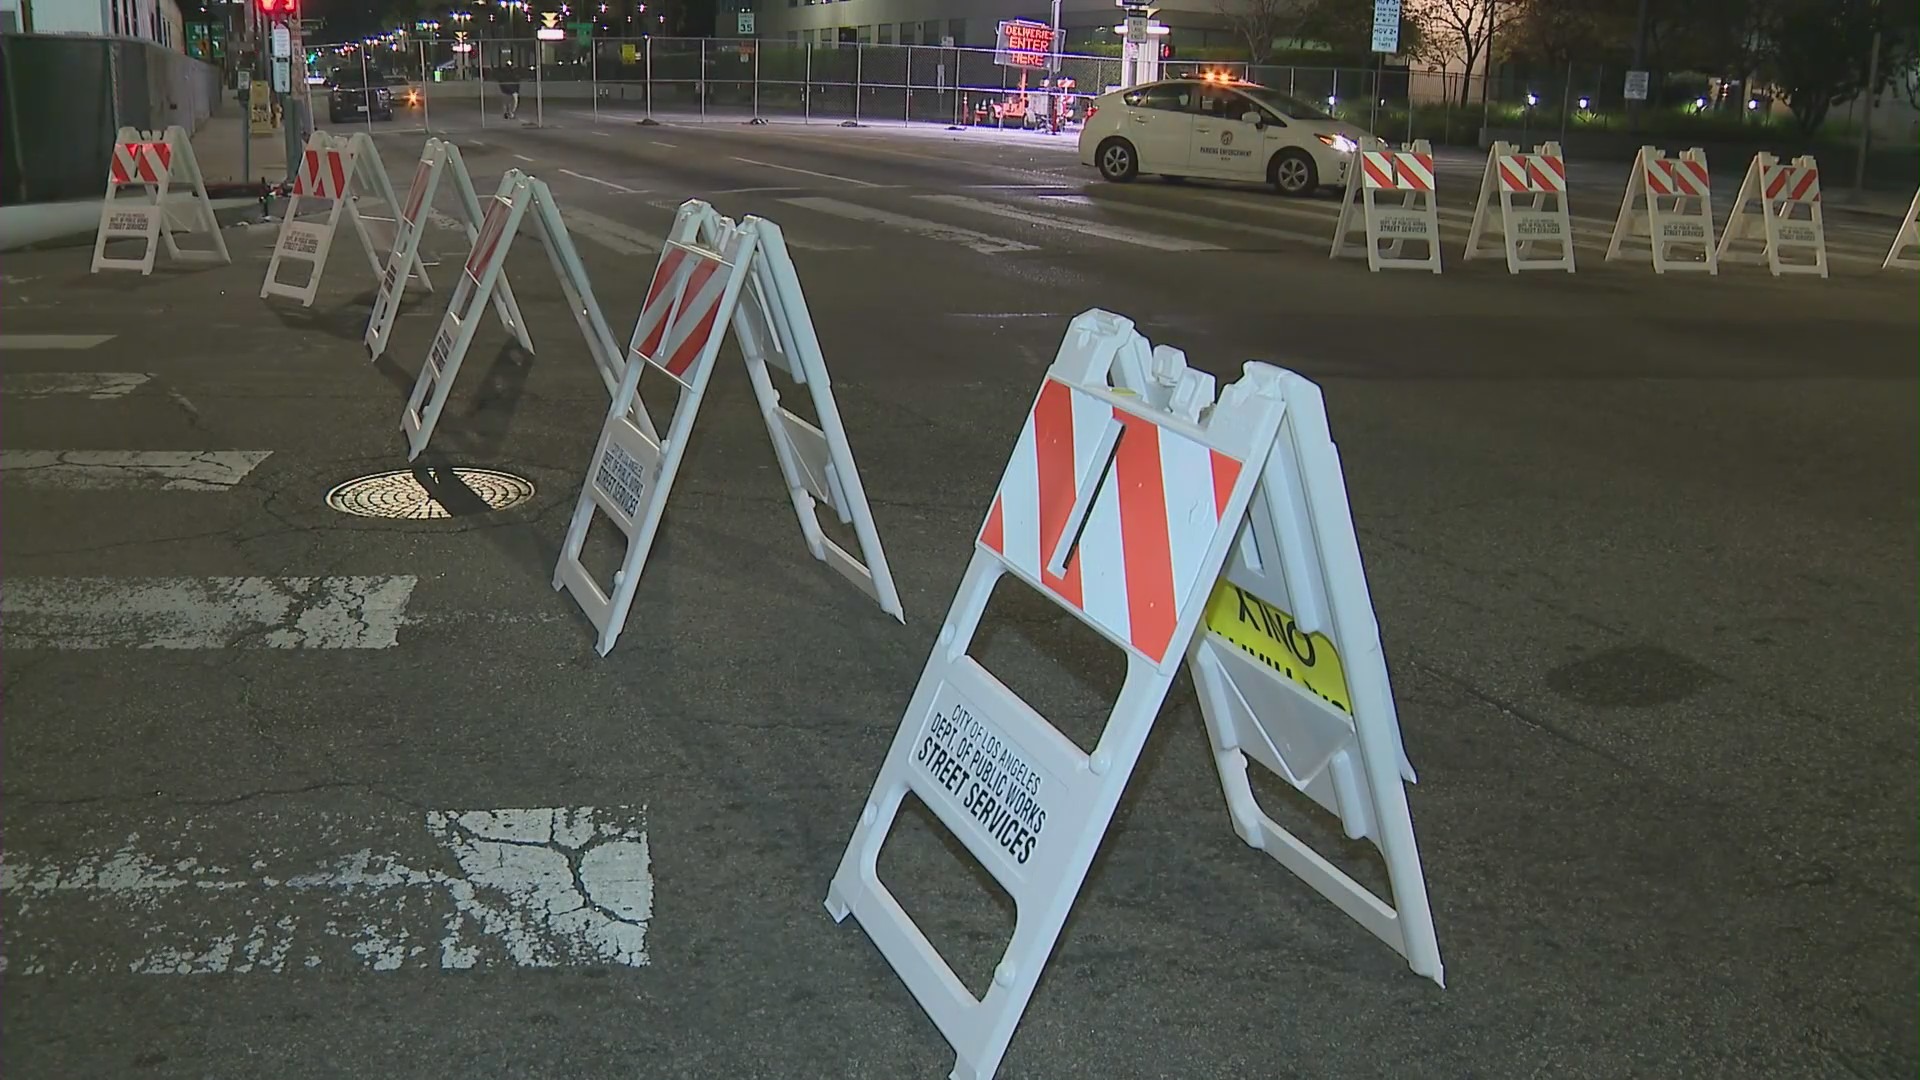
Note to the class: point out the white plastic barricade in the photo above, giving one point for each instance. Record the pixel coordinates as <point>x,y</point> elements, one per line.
<point>1540,176</point>
<point>331,170</point>
<point>438,156</point>
<point>156,162</point>
<point>1409,171</point>
<point>1676,215</point>
<point>1128,493</point>
<point>1902,255</point>
<point>480,280</point>
<point>713,274</point>
<point>375,186</point>
<point>1768,212</point>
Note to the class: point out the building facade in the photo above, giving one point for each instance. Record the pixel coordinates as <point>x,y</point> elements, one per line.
<point>157,21</point>
<point>969,23</point>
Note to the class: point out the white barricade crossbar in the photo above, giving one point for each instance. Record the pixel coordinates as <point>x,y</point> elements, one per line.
<point>1675,213</point>
<point>713,274</point>
<point>1127,493</point>
<point>437,157</point>
<point>480,283</point>
<point>1540,177</point>
<point>156,162</point>
<point>1778,207</point>
<point>1387,229</point>
<point>1905,252</point>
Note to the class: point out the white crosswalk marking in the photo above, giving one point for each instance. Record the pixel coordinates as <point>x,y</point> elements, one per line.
<point>1073,225</point>
<point>254,894</point>
<point>205,613</point>
<point>933,230</point>
<point>97,385</point>
<point>25,342</point>
<point>1127,206</point>
<point>158,470</point>
<point>617,236</point>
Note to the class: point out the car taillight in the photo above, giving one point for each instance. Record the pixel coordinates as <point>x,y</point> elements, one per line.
<point>1091,109</point>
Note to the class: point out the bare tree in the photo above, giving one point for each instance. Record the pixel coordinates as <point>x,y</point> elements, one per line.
<point>1262,22</point>
<point>1465,29</point>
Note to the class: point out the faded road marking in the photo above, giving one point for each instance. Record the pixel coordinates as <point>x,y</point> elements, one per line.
<point>603,183</point>
<point>248,893</point>
<point>98,385</point>
<point>981,242</point>
<point>160,470</point>
<point>616,236</point>
<point>205,613</point>
<point>807,172</point>
<point>1074,225</point>
<point>53,341</point>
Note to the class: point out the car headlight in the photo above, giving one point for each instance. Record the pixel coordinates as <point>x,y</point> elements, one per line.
<point>1340,143</point>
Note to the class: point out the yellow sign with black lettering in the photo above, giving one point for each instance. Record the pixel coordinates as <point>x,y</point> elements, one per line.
<point>1270,636</point>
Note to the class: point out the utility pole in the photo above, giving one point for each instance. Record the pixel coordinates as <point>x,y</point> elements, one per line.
<point>1867,95</point>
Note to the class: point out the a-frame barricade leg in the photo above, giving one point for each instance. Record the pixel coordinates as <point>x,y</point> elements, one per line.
<point>774,327</point>
<point>1026,802</point>
<point>681,326</point>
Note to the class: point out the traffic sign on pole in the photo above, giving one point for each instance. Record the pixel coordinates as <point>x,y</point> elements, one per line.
<point>1386,26</point>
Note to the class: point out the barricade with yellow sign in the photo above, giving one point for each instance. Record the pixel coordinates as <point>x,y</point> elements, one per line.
<point>1180,525</point>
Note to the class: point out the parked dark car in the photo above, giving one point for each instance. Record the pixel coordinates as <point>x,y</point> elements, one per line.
<point>353,92</point>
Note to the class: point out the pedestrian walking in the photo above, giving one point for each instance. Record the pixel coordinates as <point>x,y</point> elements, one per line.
<point>510,89</point>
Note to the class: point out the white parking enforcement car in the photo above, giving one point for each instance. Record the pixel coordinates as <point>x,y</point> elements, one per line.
<point>1220,129</point>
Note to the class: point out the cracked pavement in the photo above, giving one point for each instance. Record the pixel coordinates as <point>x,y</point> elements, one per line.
<point>1641,551</point>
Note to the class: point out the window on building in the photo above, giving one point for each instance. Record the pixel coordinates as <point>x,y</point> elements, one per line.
<point>909,33</point>
<point>793,37</point>
<point>865,36</point>
<point>807,39</point>
<point>930,31</point>
<point>957,30</point>
<point>884,34</point>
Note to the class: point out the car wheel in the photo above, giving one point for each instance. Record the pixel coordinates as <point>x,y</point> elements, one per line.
<point>1292,172</point>
<point>1117,160</point>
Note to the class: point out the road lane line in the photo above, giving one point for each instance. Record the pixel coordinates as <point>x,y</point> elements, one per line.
<point>668,145</point>
<point>806,172</point>
<point>523,157</point>
<point>603,183</point>
<point>618,237</point>
<point>97,385</point>
<point>53,341</point>
<point>983,243</point>
<point>100,470</point>
<point>205,613</point>
<point>1075,225</point>
<point>448,890</point>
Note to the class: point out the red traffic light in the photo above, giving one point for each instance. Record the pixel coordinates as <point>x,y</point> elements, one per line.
<point>282,8</point>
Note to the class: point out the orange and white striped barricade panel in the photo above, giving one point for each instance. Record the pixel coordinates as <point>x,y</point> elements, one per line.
<point>1387,229</point>
<point>173,199</point>
<point>683,320</point>
<point>1778,208</point>
<point>1675,212</point>
<point>1542,178</point>
<point>1291,676</point>
<point>775,330</point>
<point>378,211</point>
<point>436,157</point>
<point>325,174</point>
<point>1905,252</point>
<point>519,197</point>
<point>1121,514</point>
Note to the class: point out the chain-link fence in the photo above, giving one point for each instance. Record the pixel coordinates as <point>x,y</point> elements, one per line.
<point>66,96</point>
<point>740,79</point>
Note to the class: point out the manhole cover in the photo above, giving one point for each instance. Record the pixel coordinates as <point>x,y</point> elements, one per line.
<point>444,493</point>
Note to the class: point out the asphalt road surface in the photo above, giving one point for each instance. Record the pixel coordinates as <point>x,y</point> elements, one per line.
<point>291,792</point>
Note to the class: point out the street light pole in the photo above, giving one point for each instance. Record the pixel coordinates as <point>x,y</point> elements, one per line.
<point>1867,95</point>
